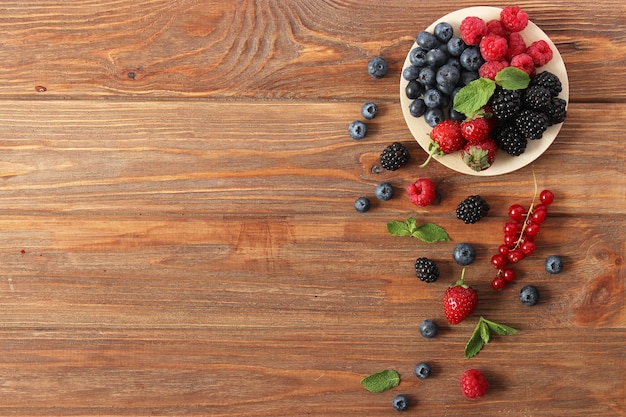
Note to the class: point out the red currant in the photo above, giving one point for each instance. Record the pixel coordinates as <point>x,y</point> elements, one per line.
<point>503,249</point>
<point>546,197</point>
<point>512,228</point>
<point>498,261</point>
<point>515,256</point>
<point>510,240</point>
<point>533,229</point>
<point>538,215</point>
<point>516,212</point>
<point>528,247</point>
<point>498,283</point>
<point>508,274</point>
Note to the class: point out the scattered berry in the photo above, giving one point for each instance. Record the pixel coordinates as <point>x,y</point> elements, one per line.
<point>426,270</point>
<point>529,295</point>
<point>553,264</point>
<point>422,370</point>
<point>472,209</point>
<point>480,156</point>
<point>472,30</point>
<point>546,197</point>
<point>459,301</point>
<point>384,191</point>
<point>429,328</point>
<point>513,18</point>
<point>474,384</point>
<point>394,156</point>
<point>369,110</point>
<point>498,283</point>
<point>422,192</point>
<point>464,254</point>
<point>377,67</point>
<point>362,204</point>
<point>400,402</point>
<point>357,130</point>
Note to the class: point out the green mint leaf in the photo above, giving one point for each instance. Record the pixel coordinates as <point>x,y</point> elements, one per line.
<point>485,332</point>
<point>500,329</point>
<point>430,232</point>
<point>398,228</point>
<point>476,341</point>
<point>411,224</point>
<point>474,96</point>
<point>512,78</point>
<point>381,381</point>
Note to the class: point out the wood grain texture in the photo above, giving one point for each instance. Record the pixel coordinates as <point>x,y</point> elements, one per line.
<point>177,234</point>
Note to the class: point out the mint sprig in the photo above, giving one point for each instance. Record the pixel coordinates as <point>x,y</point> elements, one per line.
<point>482,335</point>
<point>471,99</point>
<point>381,381</point>
<point>427,232</point>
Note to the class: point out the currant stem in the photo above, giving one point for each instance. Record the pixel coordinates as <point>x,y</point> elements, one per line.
<point>530,211</point>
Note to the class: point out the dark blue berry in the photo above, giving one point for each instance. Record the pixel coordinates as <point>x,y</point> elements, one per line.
<point>454,62</point>
<point>529,295</point>
<point>428,328</point>
<point>434,116</point>
<point>448,75</point>
<point>422,370</point>
<point>554,264</point>
<point>455,115</point>
<point>414,90</point>
<point>427,77</point>
<point>417,108</point>
<point>383,191</point>
<point>400,402</point>
<point>417,56</point>
<point>464,254</point>
<point>456,46</point>
<point>411,72</point>
<point>369,110</point>
<point>436,57</point>
<point>471,59</point>
<point>357,130</point>
<point>362,204</point>
<point>467,77</point>
<point>434,98</point>
<point>444,31</point>
<point>426,40</point>
<point>377,67</point>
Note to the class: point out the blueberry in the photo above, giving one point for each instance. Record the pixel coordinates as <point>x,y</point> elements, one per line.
<point>369,110</point>
<point>383,191</point>
<point>422,370</point>
<point>427,77</point>
<point>400,402</point>
<point>377,67</point>
<point>357,130</point>
<point>417,108</point>
<point>417,56</point>
<point>444,31</point>
<point>434,116</point>
<point>448,75</point>
<point>471,59</point>
<point>434,98</point>
<point>428,328</point>
<point>464,254</point>
<point>456,46</point>
<point>454,62</point>
<point>447,90</point>
<point>529,295</point>
<point>362,204</point>
<point>467,77</point>
<point>554,264</point>
<point>414,89</point>
<point>436,57</point>
<point>411,72</point>
<point>426,40</point>
<point>455,115</point>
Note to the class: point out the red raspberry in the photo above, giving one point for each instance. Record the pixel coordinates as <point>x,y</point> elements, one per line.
<point>540,52</point>
<point>525,63</point>
<point>496,27</point>
<point>422,192</point>
<point>514,18</point>
<point>517,45</point>
<point>472,30</point>
<point>476,130</point>
<point>491,68</point>
<point>493,47</point>
<point>474,384</point>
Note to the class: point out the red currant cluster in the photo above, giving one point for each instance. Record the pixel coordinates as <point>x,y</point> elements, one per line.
<point>519,237</point>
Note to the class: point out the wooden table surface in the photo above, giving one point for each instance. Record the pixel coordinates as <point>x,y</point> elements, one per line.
<point>178,237</point>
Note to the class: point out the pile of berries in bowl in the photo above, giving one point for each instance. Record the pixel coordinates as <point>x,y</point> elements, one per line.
<point>484,91</point>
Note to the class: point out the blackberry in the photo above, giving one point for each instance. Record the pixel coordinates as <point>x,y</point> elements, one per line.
<point>394,156</point>
<point>531,123</point>
<point>537,97</point>
<point>505,104</point>
<point>556,111</point>
<point>472,209</point>
<point>426,270</point>
<point>548,80</point>
<point>510,140</point>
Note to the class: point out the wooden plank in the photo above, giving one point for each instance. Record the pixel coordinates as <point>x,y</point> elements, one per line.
<point>271,49</point>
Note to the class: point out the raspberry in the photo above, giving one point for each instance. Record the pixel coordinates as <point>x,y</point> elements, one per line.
<point>422,192</point>
<point>491,68</point>
<point>472,209</point>
<point>514,18</point>
<point>548,80</point>
<point>472,30</point>
<point>556,111</point>
<point>493,47</point>
<point>496,27</point>
<point>476,130</point>
<point>394,156</point>
<point>426,270</point>
<point>531,123</point>
<point>517,45</point>
<point>474,384</point>
<point>524,62</point>
<point>540,52</point>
